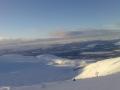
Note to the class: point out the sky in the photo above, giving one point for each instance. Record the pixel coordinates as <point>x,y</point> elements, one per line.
<point>40,18</point>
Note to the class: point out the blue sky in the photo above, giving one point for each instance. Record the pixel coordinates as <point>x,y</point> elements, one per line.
<point>38,18</point>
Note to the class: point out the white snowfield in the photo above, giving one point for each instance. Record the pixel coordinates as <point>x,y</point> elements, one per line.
<point>57,73</point>
<point>108,68</point>
<point>60,62</point>
<point>111,82</point>
<point>4,88</point>
<point>100,68</point>
<point>90,70</point>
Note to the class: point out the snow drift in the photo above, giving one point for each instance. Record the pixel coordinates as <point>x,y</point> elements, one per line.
<point>100,68</point>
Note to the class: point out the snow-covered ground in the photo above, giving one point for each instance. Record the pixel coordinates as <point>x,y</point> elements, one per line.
<point>111,82</point>
<point>50,72</point>
<point>46,59</point>
<point>18,70</point>
<point>100,68</point>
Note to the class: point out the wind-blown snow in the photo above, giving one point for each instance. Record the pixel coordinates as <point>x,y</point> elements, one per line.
<point>100,68</point>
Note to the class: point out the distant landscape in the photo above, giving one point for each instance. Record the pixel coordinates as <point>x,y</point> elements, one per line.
<point>59,44</point>
<point>26,63</point>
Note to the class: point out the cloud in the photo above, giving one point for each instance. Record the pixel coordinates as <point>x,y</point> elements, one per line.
<point>115,26</point>
<point>85,33</point>
<point>3,38</point>
<point>68,34</point>
<point>75,33</point>
<point>58,34</point>
<point>65,33</point>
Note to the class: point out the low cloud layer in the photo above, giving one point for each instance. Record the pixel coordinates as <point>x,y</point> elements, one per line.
<point>89,32</point>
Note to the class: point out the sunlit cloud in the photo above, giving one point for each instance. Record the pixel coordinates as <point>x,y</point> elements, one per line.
<point>115,26</point>
<point>3,38</point>
<point>84,32</point>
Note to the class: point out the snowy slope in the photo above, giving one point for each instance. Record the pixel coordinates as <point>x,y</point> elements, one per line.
<point>50,72</point>
<point>18,70</point>
<point>100,68</point>
<point>102,83</point>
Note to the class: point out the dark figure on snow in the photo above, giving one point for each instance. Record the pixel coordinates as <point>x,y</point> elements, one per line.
<point>74,79</point>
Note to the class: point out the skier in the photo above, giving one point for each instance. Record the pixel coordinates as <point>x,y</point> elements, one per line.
<point>97,74</point>
<point>74,79</point>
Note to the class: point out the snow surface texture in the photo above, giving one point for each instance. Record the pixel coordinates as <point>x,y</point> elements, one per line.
<point>100,68</point>
<point>18,70</point>
<point>102,83</point>
<point>56,73</point>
